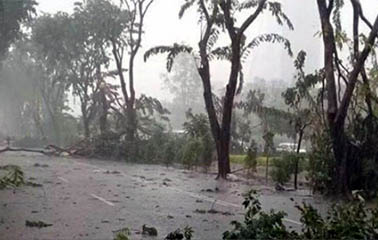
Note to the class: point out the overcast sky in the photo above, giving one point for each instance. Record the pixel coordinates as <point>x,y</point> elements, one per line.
<point>268,61</point>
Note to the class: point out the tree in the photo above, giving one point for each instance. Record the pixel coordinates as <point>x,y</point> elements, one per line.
<point>338,102</point>
<point>47,50</point>
<point>200,146</point>
<point>217,16</point>
<point>124,26</point>
<point>182,82</point>
<point>85,57</point>
<point>12,14</point>
<point>305,108</point>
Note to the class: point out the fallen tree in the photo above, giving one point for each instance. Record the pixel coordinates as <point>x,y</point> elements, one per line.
<point>9,149</point>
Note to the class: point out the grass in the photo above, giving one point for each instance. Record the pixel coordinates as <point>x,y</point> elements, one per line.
<point>239,159</point>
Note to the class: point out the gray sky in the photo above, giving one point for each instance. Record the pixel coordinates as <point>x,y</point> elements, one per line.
<point>268,61</point>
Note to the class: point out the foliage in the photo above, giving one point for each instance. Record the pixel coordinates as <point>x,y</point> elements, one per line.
<point>258,224</point>
<point>182,82</point>
<point>150,231</point>
<point>353,220</point>
<point>12,15</point>
<point>198,151</point>
<point>283,168</point>
<point>122,234</point>
<point>192,153</point>
<point>218,17</point>
<point>240,133</point>
<point>180,234</point>
<point>13,178</point>
<point>250,160</point>
<point>269,144</point>
<point>321,163</point>
<point>272,117</point>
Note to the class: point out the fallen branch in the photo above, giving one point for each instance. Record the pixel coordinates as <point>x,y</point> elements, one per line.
<point>9,149</point>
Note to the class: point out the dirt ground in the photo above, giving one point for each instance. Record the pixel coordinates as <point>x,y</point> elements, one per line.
<point>91,199</point>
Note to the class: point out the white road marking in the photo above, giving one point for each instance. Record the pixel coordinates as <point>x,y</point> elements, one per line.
<point>102,200</point>
<point>63,179</point>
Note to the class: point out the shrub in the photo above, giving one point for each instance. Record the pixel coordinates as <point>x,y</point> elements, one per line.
<point>208,148</point>
<point>348,221</point>
<point>192,152</point>
<point>283,167</point>
<point>179,234</point>
<point>258,224</point>
<point>344,221</point>
<point>14,176</point>
<point>321,163</point>
<point>250,160</point>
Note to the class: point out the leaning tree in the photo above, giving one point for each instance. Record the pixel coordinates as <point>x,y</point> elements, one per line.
<point>217,17</point>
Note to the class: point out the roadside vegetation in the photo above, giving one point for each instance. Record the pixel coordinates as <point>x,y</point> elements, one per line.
<point>51,64</point>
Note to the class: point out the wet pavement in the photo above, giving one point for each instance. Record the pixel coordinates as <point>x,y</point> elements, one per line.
<point>91,199</point>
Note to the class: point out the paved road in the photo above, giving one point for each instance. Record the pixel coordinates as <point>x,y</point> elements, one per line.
<point>89,199</point>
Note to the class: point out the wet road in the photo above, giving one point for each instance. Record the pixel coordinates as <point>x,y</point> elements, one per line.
<point>90,199</point>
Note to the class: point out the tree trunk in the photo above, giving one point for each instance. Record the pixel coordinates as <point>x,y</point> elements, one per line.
<point>297,159</point>
<point>131,130</point>
<point>267,168</point>
<point>57,133</point>
<point>86,127</point>
<point>222,160</point>
<point>103,121</point>
<point>337,115</point>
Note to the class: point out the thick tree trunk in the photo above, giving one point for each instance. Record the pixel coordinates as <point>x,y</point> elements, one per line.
<point>131,129</point>
<point>336,129</point>
<point>337,115</point>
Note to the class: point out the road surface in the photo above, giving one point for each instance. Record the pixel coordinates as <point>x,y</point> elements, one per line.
<point>90,199</point>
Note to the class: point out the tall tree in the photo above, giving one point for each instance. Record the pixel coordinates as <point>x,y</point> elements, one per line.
<point>47,49</point>
<point>339,101</point>
<point>86,55</point>
<point>217,16</point>
<point>182,82</point>
<point>12,14</point>
<point>124,26</point>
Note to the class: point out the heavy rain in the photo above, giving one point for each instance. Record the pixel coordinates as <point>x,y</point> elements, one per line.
<point>188,119</point>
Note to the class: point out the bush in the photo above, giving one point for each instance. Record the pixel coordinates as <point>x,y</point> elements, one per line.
<point>321,163</point>
<point>258,224</point>
<point>283,167</point>
<point>348,221</point>
<point>179,234</point>
<point>250,160</point>
<point>192,152</point>
<point>207,152</point>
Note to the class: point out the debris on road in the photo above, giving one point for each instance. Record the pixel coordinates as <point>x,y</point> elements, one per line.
<point>37,224</point>
<point>150,231</point>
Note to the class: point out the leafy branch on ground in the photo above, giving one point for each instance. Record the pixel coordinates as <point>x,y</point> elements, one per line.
<point>37,224</point>
<point>13,178</point>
